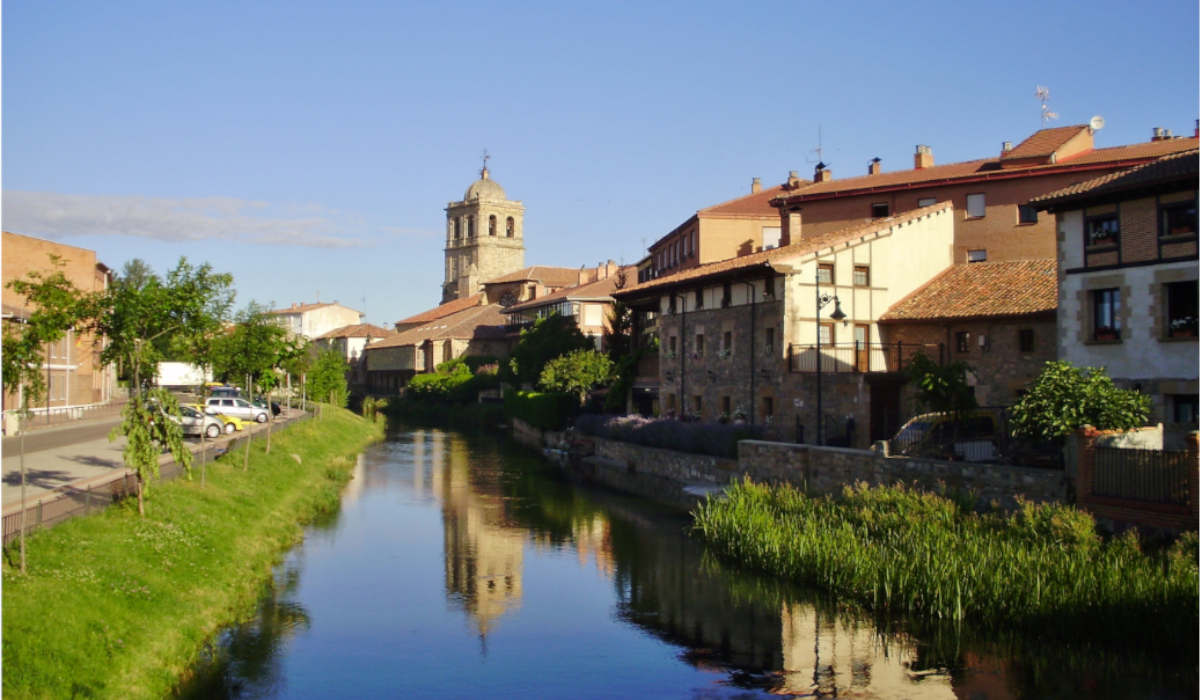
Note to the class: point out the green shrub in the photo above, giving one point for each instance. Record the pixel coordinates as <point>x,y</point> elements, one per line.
<point>545,411</point>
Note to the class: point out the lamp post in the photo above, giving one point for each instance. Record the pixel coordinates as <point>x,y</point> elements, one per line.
<point>837,315</point>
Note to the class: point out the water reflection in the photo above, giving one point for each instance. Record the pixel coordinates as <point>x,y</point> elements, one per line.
<point>504,513</point>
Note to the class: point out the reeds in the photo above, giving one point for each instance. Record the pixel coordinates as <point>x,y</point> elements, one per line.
<point>897,550</point>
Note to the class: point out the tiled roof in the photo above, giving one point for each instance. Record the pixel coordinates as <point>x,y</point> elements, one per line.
<point>547,276</point>
<point>755,204</point>
<point>599,289</point>
<point>301,308</point>
<point>444,310</point>
<point>808,244</point>
<point>1169,168</point>
<point>973,290</point>
<point>357,330</point>
<point>479,322</point>
<point>1132,154</point>
<point>1044,142</point>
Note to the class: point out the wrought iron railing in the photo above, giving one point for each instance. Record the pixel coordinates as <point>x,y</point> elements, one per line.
<point>860,357</point>
<point>1157,476</point>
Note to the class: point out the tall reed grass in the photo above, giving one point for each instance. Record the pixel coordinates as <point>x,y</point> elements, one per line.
<point>895,550</point>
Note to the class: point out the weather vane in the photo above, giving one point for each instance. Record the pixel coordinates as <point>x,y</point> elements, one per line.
<point>1043,93</point>
<point>485,160</point>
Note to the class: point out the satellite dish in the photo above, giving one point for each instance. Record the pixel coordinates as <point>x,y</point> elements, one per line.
<point>1097,123</point>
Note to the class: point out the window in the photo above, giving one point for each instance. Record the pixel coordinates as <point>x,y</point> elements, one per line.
<point>671,304</point>
<point>726,295</point>
<point>727,343</point>
<point>492,225</point>
<point>862,276</point>
<point>769,342</point>
<point>457,229</point>
<point>725,404</point>
<point>977,255</point>
<point>976,205</point>
<point>698,404</point>
<point>1025,339</point>
<point>699,345</point>
<point>510,227</point>
<point>1181,309</point>
<point>962,341</point>
<point>1026,214</point>
<point>926,201</point>
<point>771,235</point>
<point>768,406</point>
<point>1102,230</point>
<point>825,334</point>
<point>1106,310</point>
<point>825,273</point>
<point>699,298</point>
<point>671,346</point>
<point>879,210</point>
<point>1178,219</point>
<point>471,226</point>
<point>1184,408</point>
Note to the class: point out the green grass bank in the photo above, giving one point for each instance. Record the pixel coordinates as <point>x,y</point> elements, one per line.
<point>1042,569</point>
<point>114,605</point>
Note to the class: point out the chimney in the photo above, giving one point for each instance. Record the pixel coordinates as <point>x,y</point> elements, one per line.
<point>610,269</point>
<point>756,185</point>
<point>1167,134</point>
<point>1005,147</point>
<point>582,278</point>
<point>873,167</point>
<point>793,180</point>
<point>923,158</point>
<point>791,227</point>
<point>1158,134</point>
<point>822,173</point>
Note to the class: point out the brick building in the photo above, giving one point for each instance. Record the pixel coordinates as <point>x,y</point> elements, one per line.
<point>73,370</point>
<point>993,220</point>
<point>1127,293</point>
<point>998,317</point>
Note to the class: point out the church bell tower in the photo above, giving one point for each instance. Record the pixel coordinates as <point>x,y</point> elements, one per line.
<point>484,237</point>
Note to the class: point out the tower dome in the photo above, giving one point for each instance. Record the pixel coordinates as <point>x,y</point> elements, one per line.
<point>485,188</point>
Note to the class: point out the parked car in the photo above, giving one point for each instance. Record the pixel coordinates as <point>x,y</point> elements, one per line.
<point>196,423</point>
<point>225,392</point>
<point>228,423</point>
<point>239,408</point>
<point>976,437</point>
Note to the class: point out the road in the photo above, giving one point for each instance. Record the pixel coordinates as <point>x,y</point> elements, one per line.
<point>69,434</point>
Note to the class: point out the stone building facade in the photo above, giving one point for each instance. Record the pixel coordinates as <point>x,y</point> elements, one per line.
<point>1127,256</point>
<point>484,238</point>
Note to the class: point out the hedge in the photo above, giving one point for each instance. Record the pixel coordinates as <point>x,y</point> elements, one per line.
<point>545,411</point>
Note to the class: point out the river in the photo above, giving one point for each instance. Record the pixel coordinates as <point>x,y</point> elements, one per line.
<point>466,566</point>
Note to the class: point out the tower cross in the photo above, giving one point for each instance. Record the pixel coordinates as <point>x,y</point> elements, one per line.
<point>485,160</point>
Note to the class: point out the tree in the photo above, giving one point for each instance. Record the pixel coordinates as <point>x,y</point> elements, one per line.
<point>547,339</point>
<point>577,372</point>
<point>56,307</point>
<point>327,378</point>
<point>1065,398</point>
<point>252,350</point>
<point>618,333</point>
<point>942,388</point>
<point>150,422</point>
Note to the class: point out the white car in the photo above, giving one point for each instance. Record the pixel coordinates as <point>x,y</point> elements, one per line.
<point>239,408</point>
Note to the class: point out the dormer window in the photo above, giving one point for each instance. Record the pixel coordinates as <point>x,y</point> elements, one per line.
<point>880,210</point>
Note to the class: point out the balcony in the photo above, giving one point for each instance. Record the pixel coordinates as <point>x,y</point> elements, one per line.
<point>860,357</point>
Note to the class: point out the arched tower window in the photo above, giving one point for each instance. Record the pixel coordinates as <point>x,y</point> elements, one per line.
<point>492,225</point>
<point>457,229</point>
<point>510,227</point>
<point>471,226</point>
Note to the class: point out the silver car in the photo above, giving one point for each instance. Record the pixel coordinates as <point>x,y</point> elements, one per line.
<point>194,423</point>
<point>240,408</point>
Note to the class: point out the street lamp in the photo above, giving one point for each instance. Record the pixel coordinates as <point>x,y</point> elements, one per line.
<point>837,315</point>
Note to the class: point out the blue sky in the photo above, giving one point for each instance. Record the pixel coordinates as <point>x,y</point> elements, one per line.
<point>310,148</point>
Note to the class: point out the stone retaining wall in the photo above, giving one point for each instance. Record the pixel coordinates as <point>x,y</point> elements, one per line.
<point>826,470</point>
<point>679,466</point>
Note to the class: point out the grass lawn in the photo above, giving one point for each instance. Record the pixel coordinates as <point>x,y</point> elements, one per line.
<point>114,605</point>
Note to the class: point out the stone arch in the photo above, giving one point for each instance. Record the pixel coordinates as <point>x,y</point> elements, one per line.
<point>457,228</point>
<point>492,225</point>
<point>510,227</point>
<point>471,226</point>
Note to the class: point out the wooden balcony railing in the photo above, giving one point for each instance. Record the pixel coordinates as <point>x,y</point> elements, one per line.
<point>860,357</point>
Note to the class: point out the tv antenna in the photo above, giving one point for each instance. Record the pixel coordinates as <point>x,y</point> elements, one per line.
<point>1043,94</point>
<point>819,151</point>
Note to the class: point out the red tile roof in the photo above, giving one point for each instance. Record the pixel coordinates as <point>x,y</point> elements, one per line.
<point>973,290</point>
<point>988,168</point>
<point>600,289</point>
<point>477,322</point>
<point>547,276</point>
<point>357,330</point>
<point>763,259</point>
<point>1171,168</point>
<point>444,310</point>
<point>755,204</point>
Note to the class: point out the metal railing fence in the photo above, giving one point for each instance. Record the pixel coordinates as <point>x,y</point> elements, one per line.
<point>1156,476</point>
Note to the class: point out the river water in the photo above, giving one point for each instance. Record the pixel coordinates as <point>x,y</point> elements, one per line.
<point>465,566</point>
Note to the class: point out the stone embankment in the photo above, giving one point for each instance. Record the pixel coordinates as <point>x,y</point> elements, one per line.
<point>681,479</point>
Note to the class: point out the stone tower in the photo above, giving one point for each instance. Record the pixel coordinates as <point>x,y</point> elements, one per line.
<point>484,237</point>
